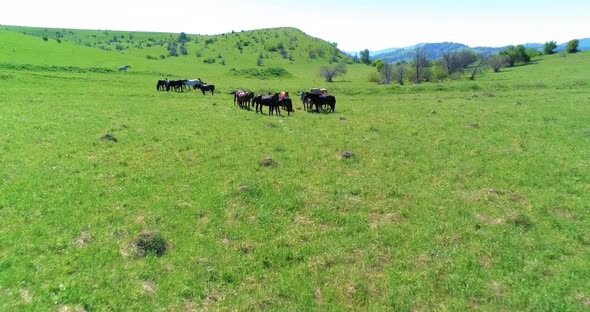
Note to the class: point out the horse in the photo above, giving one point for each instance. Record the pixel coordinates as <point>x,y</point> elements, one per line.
<point>235,94</point>
<point>304,101</point>
<point>271,100</point>
<point>243,98</point>
<point>193,83</point>
<point>286,102</point>
<point>321,100</point>
<point>176,85</point>
<point>162,84</point>
<point>206,87</point>
<point>124,68</point>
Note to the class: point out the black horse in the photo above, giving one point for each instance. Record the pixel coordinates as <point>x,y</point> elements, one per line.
<point>176,85</point>
<point>271,100</point>
<point>207,87</point>
<point>162,85</point>
<point>321,100</point>
<point>285,102</point>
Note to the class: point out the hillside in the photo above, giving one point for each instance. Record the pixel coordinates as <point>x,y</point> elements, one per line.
<point>237,50</point>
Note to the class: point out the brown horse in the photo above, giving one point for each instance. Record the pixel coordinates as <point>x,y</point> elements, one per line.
<point>242,98</point>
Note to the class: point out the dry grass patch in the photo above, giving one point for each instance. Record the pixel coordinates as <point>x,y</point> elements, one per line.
<point>82,239</point>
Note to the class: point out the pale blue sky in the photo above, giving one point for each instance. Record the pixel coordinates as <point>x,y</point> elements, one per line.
<point>353,25</point>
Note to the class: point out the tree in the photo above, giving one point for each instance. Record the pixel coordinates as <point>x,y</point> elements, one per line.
<point>477,68</point>
<point>496,62</point>
<point>420,61</point>
<point>330,72</point>
<point>572,46</point>
<point>399,72</point>
<point>515,54</point>
<point>365,57</point>
<point>386,73</point>
<point>456,60</point>
<point>182,37</point>
<point>549,47</point>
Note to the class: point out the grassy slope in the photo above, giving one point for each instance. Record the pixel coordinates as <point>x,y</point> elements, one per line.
<point>461,195</point>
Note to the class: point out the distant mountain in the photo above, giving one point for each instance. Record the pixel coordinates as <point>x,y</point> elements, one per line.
<point>433,51</point>
<point>436,50</point>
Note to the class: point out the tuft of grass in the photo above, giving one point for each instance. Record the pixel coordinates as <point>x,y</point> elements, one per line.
<point>148,242</point>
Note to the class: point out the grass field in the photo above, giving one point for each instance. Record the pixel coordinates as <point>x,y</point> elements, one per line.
<point>458,195</point>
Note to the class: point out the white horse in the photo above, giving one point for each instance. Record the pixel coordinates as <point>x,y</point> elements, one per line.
<point>124,68</point>
<point>193,82</point>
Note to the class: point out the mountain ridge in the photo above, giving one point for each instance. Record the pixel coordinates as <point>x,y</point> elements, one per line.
<point>435,50</point>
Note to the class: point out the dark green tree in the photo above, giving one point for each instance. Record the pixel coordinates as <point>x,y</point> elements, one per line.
<point>365,57</point>
<point>572,46</point>
<point>549,47</point>
<point>182,37</point>
<point>515,54</point>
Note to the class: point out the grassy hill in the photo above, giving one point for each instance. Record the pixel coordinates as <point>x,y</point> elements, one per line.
<point>459,195</point>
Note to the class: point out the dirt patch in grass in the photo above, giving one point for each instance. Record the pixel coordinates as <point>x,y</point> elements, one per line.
<point>82,239</point>
<point>108,137</point>
<point>27,298</point>
<point>69,308</point>
<point>585,300</point>
<point>377,219</point>
<point>145,243</point>
<point>148,287</point>
<point>346,154</point>
<point>268,162</point>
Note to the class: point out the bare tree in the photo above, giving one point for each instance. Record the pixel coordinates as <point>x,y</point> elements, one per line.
<point>496,62</point>
<point>330,72</point>
<point>399,72</point>
<point>420,62</point>
<point>386,73</point>
<point>456,60</point>
<point>477,68</point>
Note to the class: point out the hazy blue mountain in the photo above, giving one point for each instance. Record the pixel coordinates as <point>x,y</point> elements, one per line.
<point>436,50</point>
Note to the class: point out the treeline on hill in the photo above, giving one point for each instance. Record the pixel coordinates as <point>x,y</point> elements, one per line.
<point>455,63</point>
<point>255,46</point>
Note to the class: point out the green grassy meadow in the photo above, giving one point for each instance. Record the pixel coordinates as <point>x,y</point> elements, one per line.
<point>459,195</point>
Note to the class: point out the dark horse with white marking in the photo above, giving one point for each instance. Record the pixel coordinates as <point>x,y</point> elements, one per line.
<point>271,100</point>
<point>321,100</point>
<point>206,87</point>
<point>305,101</point>
<point>162,85</point>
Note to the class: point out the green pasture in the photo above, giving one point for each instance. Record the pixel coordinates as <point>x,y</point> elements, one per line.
<point>457,195</point>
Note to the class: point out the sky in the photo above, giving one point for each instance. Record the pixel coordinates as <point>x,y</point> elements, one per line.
<point>352,25</point>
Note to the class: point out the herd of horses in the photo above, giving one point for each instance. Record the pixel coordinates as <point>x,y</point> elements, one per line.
<point>180,84</point>
<point>276,101</point>
<point>247,99</point>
